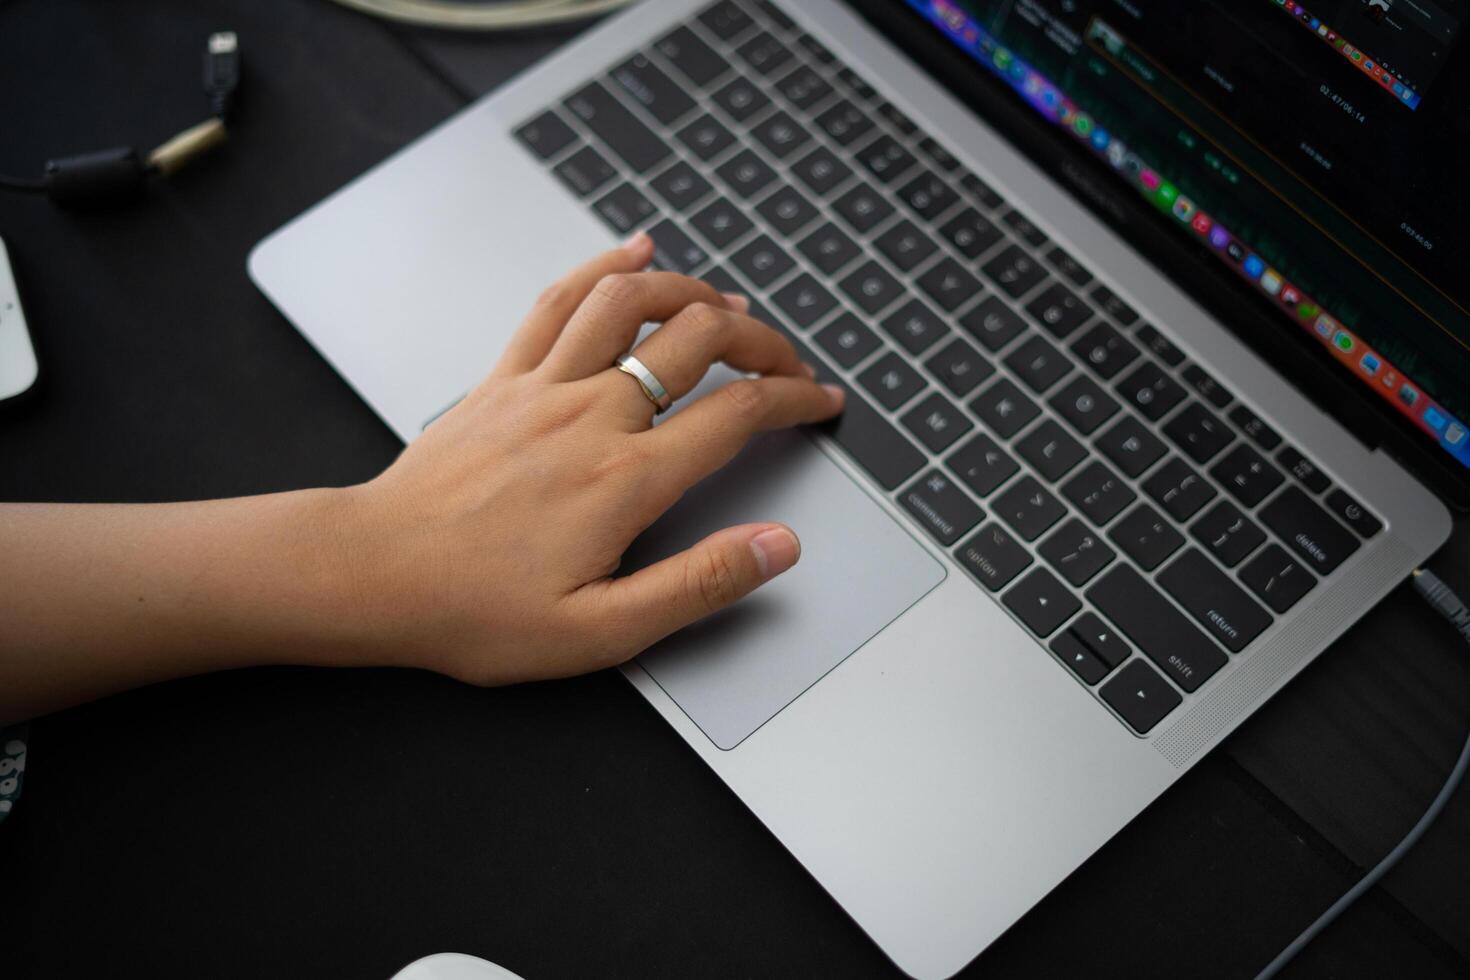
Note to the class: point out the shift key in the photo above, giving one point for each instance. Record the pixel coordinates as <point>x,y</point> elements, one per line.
<point>1185,655</point>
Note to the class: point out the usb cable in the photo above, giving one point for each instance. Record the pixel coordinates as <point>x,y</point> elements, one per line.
<point>1450,606</point>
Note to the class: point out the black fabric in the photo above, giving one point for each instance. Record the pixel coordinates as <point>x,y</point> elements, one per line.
<point>341,823</point>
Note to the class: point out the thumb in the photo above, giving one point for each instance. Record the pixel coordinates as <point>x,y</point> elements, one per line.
<point>728,565</point>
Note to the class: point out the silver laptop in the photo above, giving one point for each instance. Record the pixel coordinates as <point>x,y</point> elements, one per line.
<point>1073,528</point>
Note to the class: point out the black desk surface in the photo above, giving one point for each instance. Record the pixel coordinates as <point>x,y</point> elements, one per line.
<point>341,823</point>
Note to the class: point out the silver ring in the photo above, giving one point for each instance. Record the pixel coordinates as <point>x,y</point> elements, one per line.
<point>652,387</point>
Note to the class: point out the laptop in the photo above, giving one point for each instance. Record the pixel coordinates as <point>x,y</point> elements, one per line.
<point>1143,310</point>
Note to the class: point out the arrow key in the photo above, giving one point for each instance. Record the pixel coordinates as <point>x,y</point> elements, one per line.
<point>1101,639</point>
<point>1041,601</point>
<point>1141,695</point>
<point>1074,654</point>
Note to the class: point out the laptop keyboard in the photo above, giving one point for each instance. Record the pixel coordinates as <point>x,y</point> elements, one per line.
<point>1115,497</point>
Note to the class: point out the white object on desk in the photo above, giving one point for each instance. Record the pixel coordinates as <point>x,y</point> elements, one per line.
<point>453,966</point>
<point>17,357</point>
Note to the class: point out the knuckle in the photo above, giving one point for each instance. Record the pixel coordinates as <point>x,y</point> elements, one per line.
<point>747,397</point>
<point>712,581</point>
<point>704,317</point>
<point>554,295</point>
<point>618,290</point>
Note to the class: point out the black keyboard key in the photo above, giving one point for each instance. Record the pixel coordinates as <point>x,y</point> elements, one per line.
<point>780,135</point>
<point>862,208</point>
<point>816,50</point>
<point>1140,696</point>
<point>698,61</point>
<point>1199,432</point>
<point>1209,389</point>
<point>585,171</point>
<point>993,557</point>
<point>981,191</point>
<point>721,223</point>
<point>1101,639</point>
<point>1157,627</point>
<point>1353,514</point>
<point>874,443</point>
<point>905,245</point>
<point>1246,475</point>
<point>1151,391</point>
<point>1076,552</point>
<point>891,381</point>
<point>1105,351</point>
<point>914,326</point>
<point>1159,345</point>
<point>1038,364</point>
<point>1277,578</point>
<point>1114,307</point>
<point>787,211</point>
<point>1178,489</point>
<point>927,196</point>
<point>871,287</point>
<point>1146,536</point>
<point>706,137</point>
<point>886,159</point>
<point>1131,446</point>
<point>741,99</point>
<point>1004,408</point>
<point>1041,601</point>
<point>763,261</point>
<point>937,422</point>
<point>848,340</point>
<point>777,17</point>
<point>970,233</point>
<point>1050,450</point>
<point>959,367</point>
<point>938,155</point>
<point>765,54</point>
<point>1309,530</point>
<point>940,507</point>
<point>1255,428</point>
<point>674,250</point>
<point>896,118</point>
<point>845,123</point>
<point>681,186</point>
<point>546,135</point>
<point>1098,493</point>
<point>1220,606</point>
<point>828,248</point>
<point>624,208</point>
<point>821,171</point>
<point>804,88</point>
<point>720,278</point>
<point>949,285</point>
<point>982,465</point>
<point>1227,533</point>
<point>1303,469</point>
<point>1084,404</point>
<point>746,174</point>
<point>1083,662</point>
<point>1070,269</point>
<point>1024,229</point>
<point>993,323</point>
<point>1059,310</point>
<point>1014,271</point>
<point>646,83</point>
<point>804,300</point>
<point>856,84</point>
<point>726,20</point>
<point>1029,508</point>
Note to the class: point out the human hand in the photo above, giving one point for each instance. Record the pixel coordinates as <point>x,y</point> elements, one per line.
<point>486,551</point>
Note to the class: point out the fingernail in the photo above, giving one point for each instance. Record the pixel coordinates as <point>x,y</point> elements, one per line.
<point>776,549</point>
<point>637,242</point>
<point>811,372</point>
<point>736,302</point>
<point>835,392</point>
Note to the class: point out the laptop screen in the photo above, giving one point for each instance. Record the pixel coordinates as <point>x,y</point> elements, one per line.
<point>1318,151</point>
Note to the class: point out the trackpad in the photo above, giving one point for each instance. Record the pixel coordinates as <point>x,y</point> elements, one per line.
<point>859,570</point>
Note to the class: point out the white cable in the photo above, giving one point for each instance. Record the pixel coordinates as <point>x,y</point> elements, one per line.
<point>495,16</point>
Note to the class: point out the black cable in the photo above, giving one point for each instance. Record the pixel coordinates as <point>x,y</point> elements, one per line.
<point>1448,605</point>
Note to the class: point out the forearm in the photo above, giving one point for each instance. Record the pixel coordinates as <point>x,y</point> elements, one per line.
<point>96,599</point>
